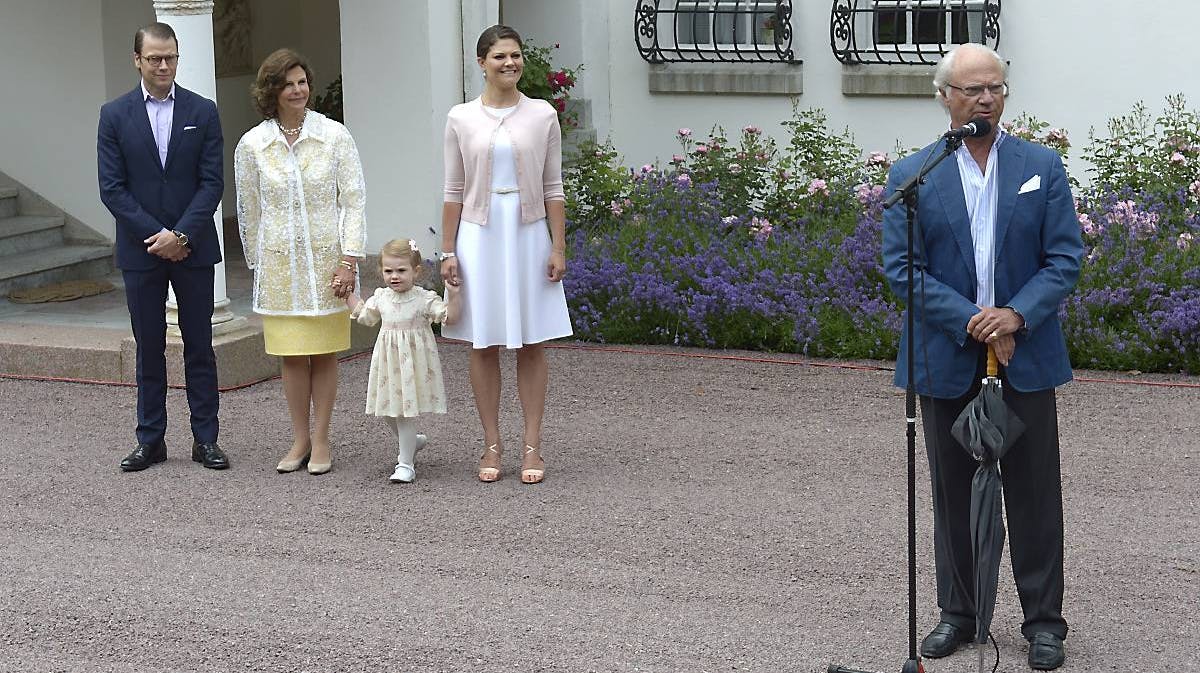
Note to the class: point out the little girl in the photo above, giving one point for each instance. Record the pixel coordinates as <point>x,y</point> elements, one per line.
<point>406,373</point>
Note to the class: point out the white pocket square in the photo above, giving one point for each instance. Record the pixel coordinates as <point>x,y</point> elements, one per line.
<point>188,128</point>
<point>1031,185</point>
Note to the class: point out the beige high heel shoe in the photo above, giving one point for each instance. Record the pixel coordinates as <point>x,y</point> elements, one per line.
<point>532,475</point>
<point>292,464</point>
<point>490,474</point>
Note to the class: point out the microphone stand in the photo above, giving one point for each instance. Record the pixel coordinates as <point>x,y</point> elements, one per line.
<point>908,191</point>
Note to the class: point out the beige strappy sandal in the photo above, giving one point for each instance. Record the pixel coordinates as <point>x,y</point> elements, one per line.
<point>490,474</point>
<point>532,475</point>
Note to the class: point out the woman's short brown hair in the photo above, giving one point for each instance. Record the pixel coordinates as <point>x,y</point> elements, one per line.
<point>493,35</point>
<point>272,78</point>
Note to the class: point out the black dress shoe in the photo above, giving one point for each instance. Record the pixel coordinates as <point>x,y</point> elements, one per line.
<point>1046,651</point>
<point>943,640</point>
<point>210,455</point>
<point>144,456</point>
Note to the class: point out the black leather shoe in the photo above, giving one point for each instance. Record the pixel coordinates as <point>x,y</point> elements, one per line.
<point>943,640</point>
<point>144,456</point>
<point>1046,651</point>
<point>210,455</point>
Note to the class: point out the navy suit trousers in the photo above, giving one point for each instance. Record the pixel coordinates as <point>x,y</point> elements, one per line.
<point>146,295</point>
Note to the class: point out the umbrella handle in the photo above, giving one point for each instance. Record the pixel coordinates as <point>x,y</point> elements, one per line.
<point>993,364</point>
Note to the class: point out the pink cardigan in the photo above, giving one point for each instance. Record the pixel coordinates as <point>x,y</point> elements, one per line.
<point>537,146</point>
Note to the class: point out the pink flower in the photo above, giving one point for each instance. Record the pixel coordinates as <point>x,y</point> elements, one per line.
<point>868,195</point>
<point>684,132</point>
<point>751,130</point>
<point>677,158</point>
<point>701,149</point>
<point>1194,188</point>
<point>615,208</point>
<point>818,185</point>
<point>761,228</point>
<point>1178,158</point>
<point>684,180</point>
<point>1184,241</point>
<point>1140,223</point>
<point>879,159</point>
<point>647,168</point>
<point>1086,225</point>
<point>1057,137</point>
<point>735,168</point>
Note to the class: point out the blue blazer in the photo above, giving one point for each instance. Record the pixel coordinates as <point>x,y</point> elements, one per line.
<point>1038,251</point>
<point>145,197</point>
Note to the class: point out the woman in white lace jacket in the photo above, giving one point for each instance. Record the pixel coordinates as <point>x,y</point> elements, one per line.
<point>300,200</point>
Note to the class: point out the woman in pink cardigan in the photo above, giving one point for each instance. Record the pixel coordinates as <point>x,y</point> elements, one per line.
<point>504,240</point>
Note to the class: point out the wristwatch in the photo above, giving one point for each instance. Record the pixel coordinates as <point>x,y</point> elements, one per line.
<point>183,238</point>
<point>443,256</point>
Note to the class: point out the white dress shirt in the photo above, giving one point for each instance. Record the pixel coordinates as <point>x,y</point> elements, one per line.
<point>979,190</point>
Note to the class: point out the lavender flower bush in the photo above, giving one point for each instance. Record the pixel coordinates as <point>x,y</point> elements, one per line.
<point>749,244</point>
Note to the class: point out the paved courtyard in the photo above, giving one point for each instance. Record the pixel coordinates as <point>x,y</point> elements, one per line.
<point>699,514</point>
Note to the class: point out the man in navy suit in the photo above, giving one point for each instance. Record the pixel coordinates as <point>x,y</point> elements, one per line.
<point>159,160</point>
<point>997,250</point>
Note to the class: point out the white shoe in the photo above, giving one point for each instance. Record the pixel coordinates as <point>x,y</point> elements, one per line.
<point>404,474</point>
<point>422,440</point>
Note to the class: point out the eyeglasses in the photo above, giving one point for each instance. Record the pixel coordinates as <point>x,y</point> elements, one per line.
<point>170,60</point>
<point>977,90</point>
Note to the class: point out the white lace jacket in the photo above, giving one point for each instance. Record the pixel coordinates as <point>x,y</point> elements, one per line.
<point>300,209</point>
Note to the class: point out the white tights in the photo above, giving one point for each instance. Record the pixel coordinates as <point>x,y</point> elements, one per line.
<point>405,430</point>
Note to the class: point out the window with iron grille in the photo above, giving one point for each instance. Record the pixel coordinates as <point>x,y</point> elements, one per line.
<point>714,31</point>
<point>916,32</point>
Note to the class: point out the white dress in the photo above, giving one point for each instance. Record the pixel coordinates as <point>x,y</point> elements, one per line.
<point>506,298</point>
<point>406,372</point>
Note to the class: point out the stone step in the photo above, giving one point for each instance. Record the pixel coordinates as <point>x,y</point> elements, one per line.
<point>54,264</point>
<point>24,233</point>
<point>8,201</point>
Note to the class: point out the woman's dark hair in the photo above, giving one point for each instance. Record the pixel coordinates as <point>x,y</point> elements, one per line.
<point>272,78</point>
<point>493,35</point>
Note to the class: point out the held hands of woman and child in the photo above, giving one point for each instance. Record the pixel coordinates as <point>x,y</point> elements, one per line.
<point>342,281</point>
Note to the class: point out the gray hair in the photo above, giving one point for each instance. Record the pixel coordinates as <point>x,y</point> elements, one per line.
<point>941,74</point>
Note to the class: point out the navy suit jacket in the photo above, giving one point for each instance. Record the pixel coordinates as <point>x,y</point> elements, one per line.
<point>146,197</point>
<point>1038,251</point>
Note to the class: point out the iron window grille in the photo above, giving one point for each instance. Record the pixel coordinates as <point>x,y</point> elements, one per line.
<point>714,31</point>
<point>916,32</point>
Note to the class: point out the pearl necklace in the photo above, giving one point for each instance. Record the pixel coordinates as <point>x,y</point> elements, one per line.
<point>295,131</point>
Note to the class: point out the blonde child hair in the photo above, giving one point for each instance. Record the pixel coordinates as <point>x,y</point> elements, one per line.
<point>403,248</point>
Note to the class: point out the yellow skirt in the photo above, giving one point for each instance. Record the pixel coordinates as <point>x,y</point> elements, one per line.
<point>306,334</point>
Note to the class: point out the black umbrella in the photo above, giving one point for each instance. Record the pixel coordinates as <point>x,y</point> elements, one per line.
<point>986,429</point>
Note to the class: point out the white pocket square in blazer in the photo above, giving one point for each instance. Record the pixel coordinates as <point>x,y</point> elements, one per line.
<point>188,128</point>
<point>1031,185</point>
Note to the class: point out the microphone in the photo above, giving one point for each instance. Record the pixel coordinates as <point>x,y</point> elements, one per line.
<point>976,128</point>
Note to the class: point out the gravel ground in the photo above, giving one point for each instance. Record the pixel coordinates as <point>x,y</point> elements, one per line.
<point>699,514</point>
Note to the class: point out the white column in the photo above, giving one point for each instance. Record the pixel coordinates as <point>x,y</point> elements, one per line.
<point>192,22</point>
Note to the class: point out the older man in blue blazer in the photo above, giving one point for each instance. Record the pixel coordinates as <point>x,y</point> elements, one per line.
<point>997,249</point>
<point>159,161</point>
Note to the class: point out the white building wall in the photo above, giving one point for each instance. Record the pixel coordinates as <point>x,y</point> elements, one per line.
<point>53,70</point>
<point>402,68</point>
<point>1074,63</point>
